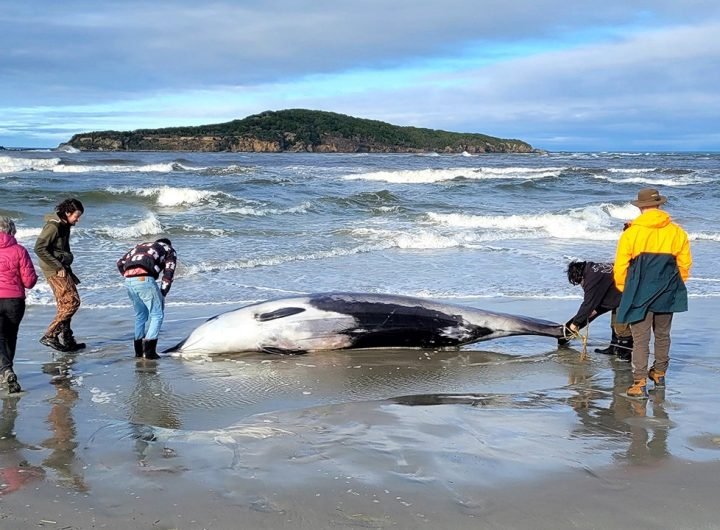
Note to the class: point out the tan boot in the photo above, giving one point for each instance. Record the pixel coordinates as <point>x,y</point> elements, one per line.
<point>657,377</point>
<point>638,389</point>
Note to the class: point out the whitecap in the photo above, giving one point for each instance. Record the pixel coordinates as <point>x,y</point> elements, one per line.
<point>41,295</point>
<point>27,233</point>
<point>149,225</point>
<point>169,196</point>
<point>67,148</point>
<point>13,165</point>
<point>681,180</point>
<point>420,239</point>
<point>631,170</point>
<point>262,212</point>
<point>584,223</point>
<point>704,236</point>
<point>429,176</point>
<point>624,212</point>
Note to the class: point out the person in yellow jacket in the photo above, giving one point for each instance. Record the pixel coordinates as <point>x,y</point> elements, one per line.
<point>652,264</point>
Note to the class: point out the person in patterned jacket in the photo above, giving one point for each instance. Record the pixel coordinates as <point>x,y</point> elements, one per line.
<point>142,266</point>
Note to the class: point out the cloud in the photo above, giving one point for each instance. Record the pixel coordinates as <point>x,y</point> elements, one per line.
<point>544,71</point>
<point>619,94</point>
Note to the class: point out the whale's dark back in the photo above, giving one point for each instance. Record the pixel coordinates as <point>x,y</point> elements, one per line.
<point>383,323</point>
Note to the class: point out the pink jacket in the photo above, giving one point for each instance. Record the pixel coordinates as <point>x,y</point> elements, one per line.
<point>16,268</point>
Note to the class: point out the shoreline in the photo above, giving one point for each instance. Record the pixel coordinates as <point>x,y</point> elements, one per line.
<point>511,434</point>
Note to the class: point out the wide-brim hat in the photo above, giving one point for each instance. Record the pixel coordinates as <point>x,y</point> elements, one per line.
<point>649,197</point>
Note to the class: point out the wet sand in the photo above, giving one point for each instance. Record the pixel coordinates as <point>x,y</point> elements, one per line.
<point>512,433</point>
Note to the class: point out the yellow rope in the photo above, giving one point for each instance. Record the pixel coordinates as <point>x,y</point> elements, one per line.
<point>584,339</point>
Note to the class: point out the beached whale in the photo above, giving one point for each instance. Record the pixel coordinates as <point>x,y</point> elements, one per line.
<point>336,320</point>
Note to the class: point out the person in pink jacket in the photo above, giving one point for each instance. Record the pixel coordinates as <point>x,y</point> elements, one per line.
<point>17,273</point>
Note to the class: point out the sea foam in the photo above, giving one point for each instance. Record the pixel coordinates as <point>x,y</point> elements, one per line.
<point>586,223</point>
<point>149,225</point>
<point>650,178</point>
<point>169,196</point>
<point>56,165</point>
<point>428,176</point>
<point>13,165</point>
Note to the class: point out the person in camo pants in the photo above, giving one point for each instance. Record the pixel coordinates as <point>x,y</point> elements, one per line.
<point>56,258</point>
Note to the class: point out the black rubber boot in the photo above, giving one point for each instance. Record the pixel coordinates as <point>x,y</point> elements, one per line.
<point>10,379</point>
<point>611,349</point>
<point>150,347</point>
<point>138,345</point>
<point>54,343</point>
<point>68,338</point>
<point>624,348</point>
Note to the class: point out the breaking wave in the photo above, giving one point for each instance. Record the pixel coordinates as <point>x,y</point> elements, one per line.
<point>590,223</point>
<point>58,165</point>
<point>428,176</point>
<point>169,196</point>
<point>150,225</point>
<point>654,177</point>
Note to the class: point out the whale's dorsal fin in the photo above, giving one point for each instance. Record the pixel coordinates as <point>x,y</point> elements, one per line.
<point>279,313</point>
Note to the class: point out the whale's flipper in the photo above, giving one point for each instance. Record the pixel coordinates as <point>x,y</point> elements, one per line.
<point>279,313</point>
<point>177,347</point>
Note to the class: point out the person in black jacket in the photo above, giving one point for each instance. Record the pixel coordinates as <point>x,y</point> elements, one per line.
<point>141,266</point>
<point>600,296</point>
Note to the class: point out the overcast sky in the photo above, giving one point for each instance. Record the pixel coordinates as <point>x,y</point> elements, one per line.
<point>617,75</point>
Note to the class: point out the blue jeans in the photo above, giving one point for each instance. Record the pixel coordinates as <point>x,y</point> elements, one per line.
<point>149,306</point>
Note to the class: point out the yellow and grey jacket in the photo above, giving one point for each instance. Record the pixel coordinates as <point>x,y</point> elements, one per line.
<point>652,263</point>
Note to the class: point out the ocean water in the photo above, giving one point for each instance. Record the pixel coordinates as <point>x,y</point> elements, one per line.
<point>509,433</point>
<point>248,227</point>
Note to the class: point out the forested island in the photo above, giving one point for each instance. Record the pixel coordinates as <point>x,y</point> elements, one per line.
<point>297,130</point>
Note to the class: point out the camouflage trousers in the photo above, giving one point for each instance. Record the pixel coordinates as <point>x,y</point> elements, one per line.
<point>67,300</point>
